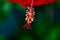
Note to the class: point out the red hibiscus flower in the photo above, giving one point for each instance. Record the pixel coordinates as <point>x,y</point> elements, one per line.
<point>25,3</point>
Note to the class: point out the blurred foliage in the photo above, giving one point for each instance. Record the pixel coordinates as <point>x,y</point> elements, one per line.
<point>3,16</point>
<point>46,25</point>
<point>2,37</point>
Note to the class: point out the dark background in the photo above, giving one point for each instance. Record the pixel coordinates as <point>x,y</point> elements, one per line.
<point>46,25</point>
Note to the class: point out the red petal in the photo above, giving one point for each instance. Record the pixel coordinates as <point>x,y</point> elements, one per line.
<point>35,2</point>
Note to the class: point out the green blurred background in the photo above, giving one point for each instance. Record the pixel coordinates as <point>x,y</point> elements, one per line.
<point>46,25</point>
